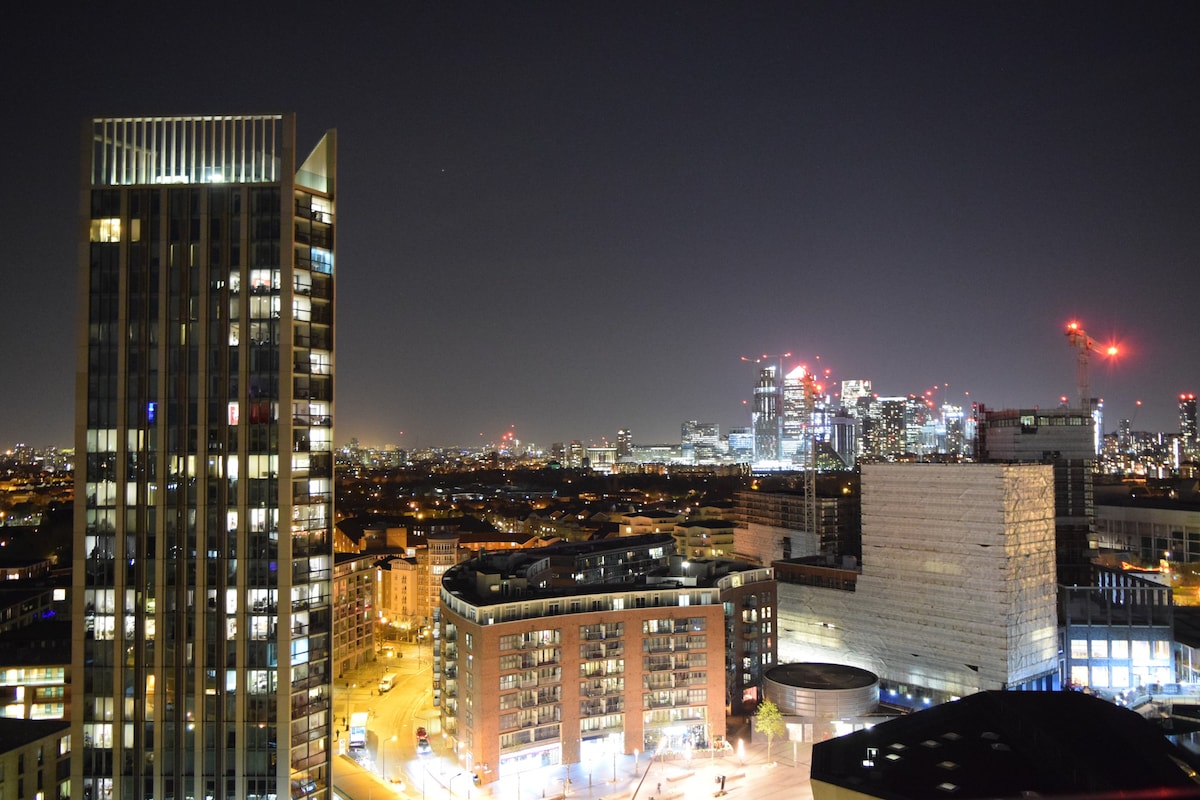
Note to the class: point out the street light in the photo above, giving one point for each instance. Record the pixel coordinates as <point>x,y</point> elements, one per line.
<point>450,783</point>
<point>383,755</point>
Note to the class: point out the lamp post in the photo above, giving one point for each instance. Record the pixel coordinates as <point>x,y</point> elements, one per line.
<point>450,784</point>
<point>383,754</point>
<point>661,743</point>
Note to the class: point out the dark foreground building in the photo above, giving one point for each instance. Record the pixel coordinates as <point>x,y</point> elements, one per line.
<point>1006,744</point>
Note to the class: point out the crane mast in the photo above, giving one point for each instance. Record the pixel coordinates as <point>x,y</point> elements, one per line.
<point>1078,339</point>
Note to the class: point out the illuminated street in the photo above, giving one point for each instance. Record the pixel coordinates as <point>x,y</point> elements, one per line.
<point>391,753</point>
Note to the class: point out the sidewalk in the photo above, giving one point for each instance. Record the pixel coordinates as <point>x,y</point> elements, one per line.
<point>750,776</point>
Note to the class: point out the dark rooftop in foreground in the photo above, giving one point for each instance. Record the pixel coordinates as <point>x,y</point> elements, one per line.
<point>15,733</point>
<point>1008,744</point>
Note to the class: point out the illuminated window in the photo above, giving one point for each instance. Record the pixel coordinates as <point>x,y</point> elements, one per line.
<point>1119,648</point>
<point>1079,648</point>
<point>1120,677</point>
<point>106,230</point>
<point>1099,648</point>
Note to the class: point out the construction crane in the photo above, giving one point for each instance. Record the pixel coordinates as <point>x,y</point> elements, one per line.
<point>1077,338</point>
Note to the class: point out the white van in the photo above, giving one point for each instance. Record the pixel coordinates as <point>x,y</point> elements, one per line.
<point>387,682</point>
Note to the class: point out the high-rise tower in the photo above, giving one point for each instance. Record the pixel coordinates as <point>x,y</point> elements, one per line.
<point>204,488</point>
<point>765,417</point>
<point>1187,419</point>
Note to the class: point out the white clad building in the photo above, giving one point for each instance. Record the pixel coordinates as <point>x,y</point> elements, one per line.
<point>957,590</point>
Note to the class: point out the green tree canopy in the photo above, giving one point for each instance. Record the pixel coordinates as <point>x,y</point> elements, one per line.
<point>768,720</point>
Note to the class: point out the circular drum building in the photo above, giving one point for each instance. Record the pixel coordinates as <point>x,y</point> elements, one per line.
<point>822,691</point>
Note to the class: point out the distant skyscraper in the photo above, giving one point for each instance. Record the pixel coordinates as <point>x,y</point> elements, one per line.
<point>624,443</point>
<point>884,428</point>
<point>853,391</point>
<point>741,443</point>
<point>955,442</point>
<point>699,441</point>
<point>797,416</point>
<point>765,417</point>
<point>204,490</point>
<point>1187,419</point>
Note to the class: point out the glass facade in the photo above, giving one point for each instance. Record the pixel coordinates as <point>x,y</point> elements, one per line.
<point>205,412</point>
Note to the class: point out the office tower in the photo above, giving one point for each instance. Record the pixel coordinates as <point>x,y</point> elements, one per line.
<point>204,413</point>
<point>952,418</point>
<point>624,444</point>
<point>843,437</point>
<point>856,397</point>
<point>884,430</point>
<point>765,417</point>
<point>700,442</point>
<point>799,403</point>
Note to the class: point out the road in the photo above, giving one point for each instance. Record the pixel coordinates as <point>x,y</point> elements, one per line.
<point>394,715</point>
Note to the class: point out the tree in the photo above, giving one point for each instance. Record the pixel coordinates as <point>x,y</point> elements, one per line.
<point>769,721</point>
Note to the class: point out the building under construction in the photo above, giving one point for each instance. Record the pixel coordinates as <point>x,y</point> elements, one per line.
<point>1065,439</point>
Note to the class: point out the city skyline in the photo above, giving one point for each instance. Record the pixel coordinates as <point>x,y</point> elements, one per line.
<point>567,221</point>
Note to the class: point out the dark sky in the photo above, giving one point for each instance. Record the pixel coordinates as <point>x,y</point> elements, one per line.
<point>575,217</point>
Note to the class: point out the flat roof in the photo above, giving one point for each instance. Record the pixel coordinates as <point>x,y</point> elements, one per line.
<point>1008,744</point>
<point>815,675</point>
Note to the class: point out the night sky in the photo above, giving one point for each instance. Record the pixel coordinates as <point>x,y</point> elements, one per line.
<point>567,218</point>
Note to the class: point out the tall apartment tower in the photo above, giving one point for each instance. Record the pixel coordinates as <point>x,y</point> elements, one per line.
<point>1188,430</point>
<point>203,565</point>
